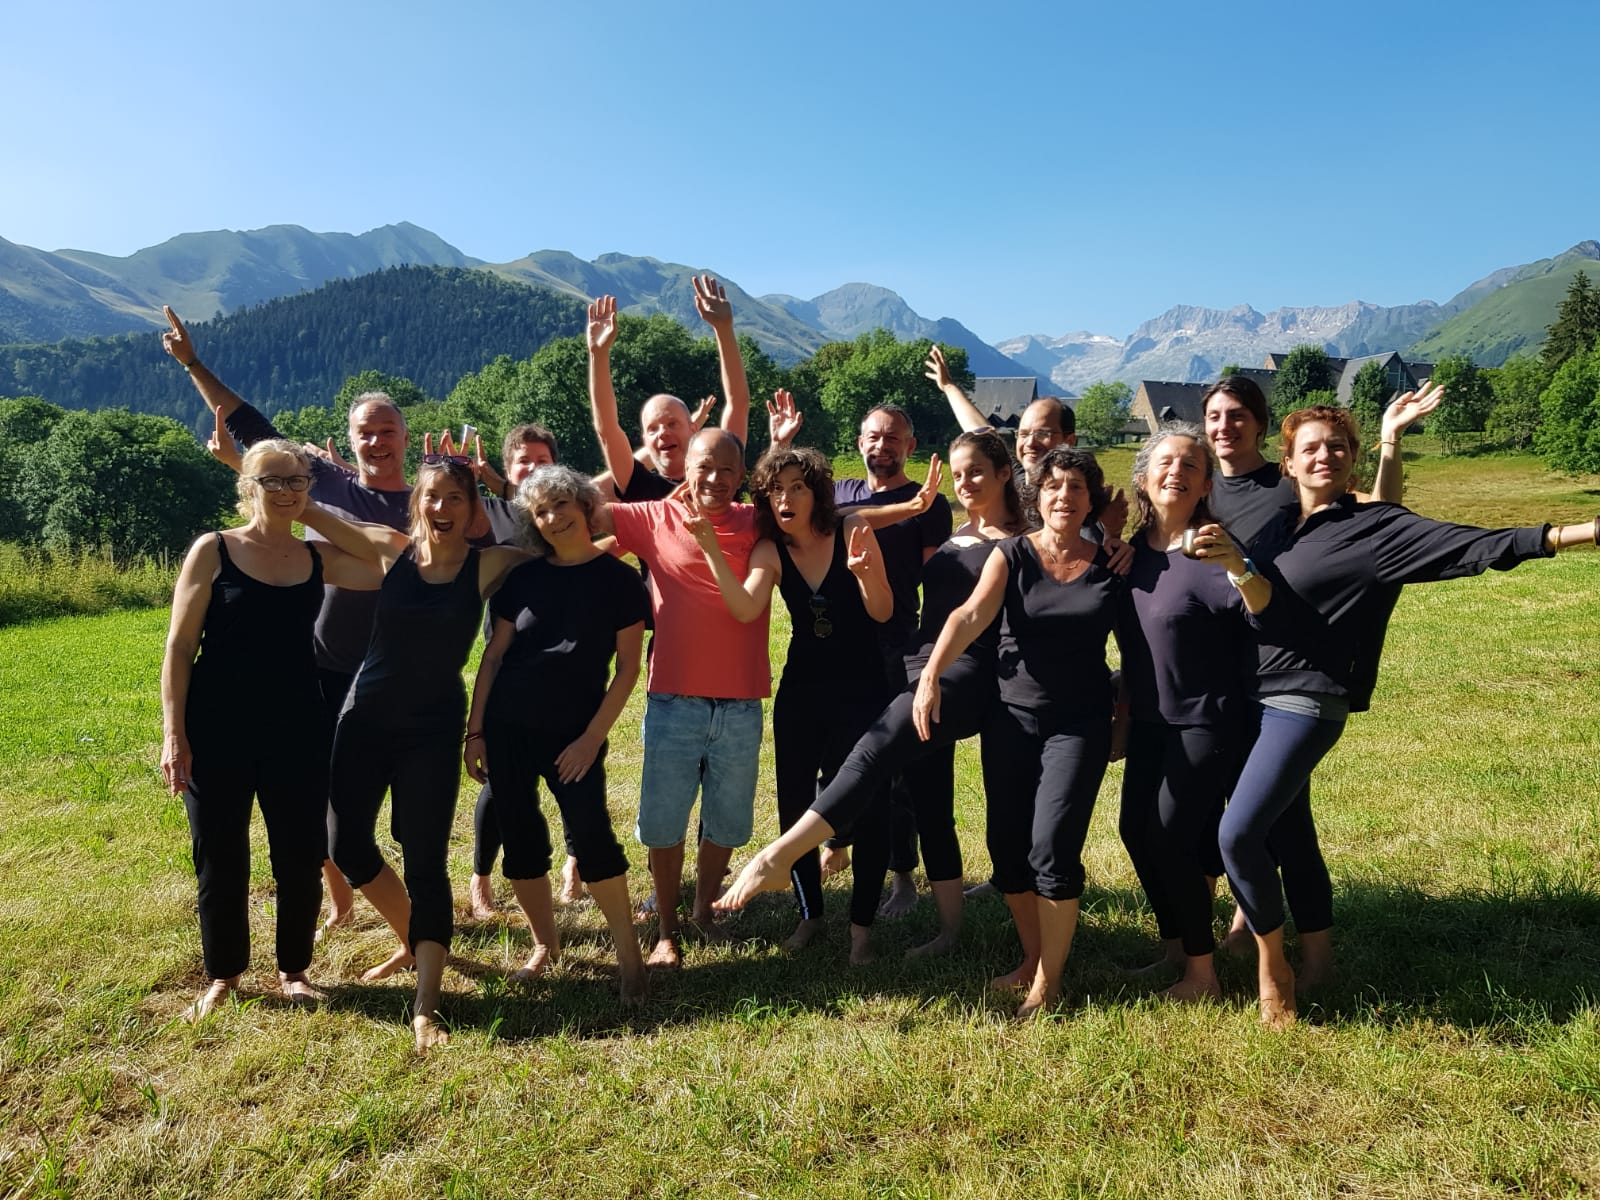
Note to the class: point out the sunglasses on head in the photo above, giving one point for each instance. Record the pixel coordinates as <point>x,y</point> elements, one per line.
<point>439,460</point>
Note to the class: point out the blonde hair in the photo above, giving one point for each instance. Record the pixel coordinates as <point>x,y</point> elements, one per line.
<point>250,465</point>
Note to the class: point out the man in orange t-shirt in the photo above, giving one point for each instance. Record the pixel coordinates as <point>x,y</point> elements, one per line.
<point>708,675</point>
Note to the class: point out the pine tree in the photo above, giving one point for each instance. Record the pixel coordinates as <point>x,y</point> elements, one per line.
<point>1577,324</point>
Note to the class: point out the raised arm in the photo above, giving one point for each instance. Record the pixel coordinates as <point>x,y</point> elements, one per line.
<point>783,420</point>
<point>881,516</point>
<point>372,543</point>
<point>614,445</point>
<point>711,302</point>
<point>746,598</point>
<point>865,562</point>
<point>189,602</point>
<point>176,342</point>
<point>573,763</point>
<point>966,413</point>
<point>959,632</point>
<point>1402,413</point>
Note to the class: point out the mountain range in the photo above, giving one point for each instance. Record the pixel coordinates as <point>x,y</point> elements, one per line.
<point>47,296</point>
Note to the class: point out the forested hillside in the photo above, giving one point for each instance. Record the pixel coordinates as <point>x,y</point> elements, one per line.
<point>431,325</point>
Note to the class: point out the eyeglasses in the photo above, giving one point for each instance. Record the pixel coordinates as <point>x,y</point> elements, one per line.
<point>820,625</point>
<point>276,483</point>
<point>1041,436</point>
<point>436,460</point>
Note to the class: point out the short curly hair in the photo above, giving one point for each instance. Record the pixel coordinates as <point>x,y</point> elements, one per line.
<point>558,481</point>
<point>817,472</point>
<point>1070,458</point>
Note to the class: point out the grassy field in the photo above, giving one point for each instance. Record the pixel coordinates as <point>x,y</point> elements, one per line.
<point>1458,1056</point>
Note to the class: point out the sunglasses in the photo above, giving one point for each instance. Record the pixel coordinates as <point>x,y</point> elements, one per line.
<point>439,460</point>
<point>820,625</point>
<point>276,483</point>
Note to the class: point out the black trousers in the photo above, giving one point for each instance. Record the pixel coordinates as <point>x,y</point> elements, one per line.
<point>518,758</point>
<point>1174,785</point>
<point>1041,783</point>
<point>289,779</point>
<point>421,771</point>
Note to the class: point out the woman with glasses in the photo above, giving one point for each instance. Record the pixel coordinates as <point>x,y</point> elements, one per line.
<point>831,578</point>
<point>404,721</point>
<point>247,601</point>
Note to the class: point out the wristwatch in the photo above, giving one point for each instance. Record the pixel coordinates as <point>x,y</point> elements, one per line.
<point>1239,581</point>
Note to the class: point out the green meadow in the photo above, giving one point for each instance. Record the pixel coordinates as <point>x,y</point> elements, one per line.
<point>1457,1055</point>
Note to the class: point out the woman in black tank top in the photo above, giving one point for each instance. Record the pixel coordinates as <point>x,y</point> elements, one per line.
<point>402,726</point>
<point>246,602</point>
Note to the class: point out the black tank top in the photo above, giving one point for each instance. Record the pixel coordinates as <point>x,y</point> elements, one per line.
<point>257,656</point>
<point>948,579</point>
<point>411,676</point>
<point>833,634</point>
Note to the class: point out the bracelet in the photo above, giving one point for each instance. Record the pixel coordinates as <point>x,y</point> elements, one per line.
<point>472,737</point>
<point>1388,443</point>
<point>187,365</point>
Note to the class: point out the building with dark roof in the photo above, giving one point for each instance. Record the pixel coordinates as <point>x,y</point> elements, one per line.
<point>1003,399</point>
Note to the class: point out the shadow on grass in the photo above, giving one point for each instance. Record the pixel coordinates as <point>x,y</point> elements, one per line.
<point>1490,962</point>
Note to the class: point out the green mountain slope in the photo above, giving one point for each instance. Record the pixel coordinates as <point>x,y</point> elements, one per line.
<point>429,324</point>
<point>1513,317</point>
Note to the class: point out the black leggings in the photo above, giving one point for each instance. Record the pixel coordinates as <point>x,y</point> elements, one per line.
<point>891,744</point>
<point>1174,785</point>
<point>290,782</point>
<point>1041,787</point>
<point>486,833</point>
<point>815,724</point>
<point>518,758</point>
<point>421,771</point>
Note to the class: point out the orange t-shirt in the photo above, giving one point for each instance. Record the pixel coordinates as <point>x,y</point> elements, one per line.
<point>698,648</point>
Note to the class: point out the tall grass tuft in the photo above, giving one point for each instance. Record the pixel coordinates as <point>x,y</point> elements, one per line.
<point>36,584</point>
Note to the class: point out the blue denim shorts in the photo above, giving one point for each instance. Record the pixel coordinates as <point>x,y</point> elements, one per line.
<point>692,743</point>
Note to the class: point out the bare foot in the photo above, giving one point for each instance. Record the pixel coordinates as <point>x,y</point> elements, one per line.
<point>861,952</point>
<point>540,961</point>
<point>206,1003</point>
<point>430,1032</point>
<point>646,909</point>
<point>400,960</point>
<point>1316,962</point>
<point>1038,999</point>
<point>834,860</point>
<point>977,890</point>
<point>803,934</point>
<point>943,944</point>
<point>1172,956</point>
<point>760,874</point>
<point>335,920</point>
<point>635,987</point>
<point>902,897</point>
<point>1021,977</point>
<point>1194,991</point>
<point>480,895</point>
<point>1239,940</point>
<point>1277,999</point>
<point>571,885</point>
<point>708,929</point>
<point>666,955</point>
<point>297,990</point>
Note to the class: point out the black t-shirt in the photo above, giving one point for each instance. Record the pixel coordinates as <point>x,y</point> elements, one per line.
<point>1249,504</point>
<point>1052,658</point>
<point>645,484</point>
<point>902,544</point>
<point>557,670</point>
<point>1188,655</point>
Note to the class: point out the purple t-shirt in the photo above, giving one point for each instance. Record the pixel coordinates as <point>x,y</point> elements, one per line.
<point>344,627</point>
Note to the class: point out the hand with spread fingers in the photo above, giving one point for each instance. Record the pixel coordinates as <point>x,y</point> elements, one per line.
<point>702,414</point>
<point>783,418</point>
<point>329,454</point>
<point>936,368</point>
<point>1407,409</point>
<point>711,302</point>
<point>602,328</point>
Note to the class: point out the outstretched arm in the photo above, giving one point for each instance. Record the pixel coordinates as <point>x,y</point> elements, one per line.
<point>614,445</point>
<point>966,413</point>
<point>881,516</point>
<point>1389,483</point>
<point>176,342</point>
<point>711,302</point>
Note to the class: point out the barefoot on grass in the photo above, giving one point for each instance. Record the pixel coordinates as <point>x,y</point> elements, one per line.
<point>803,934</point>
<point>760,874</point>
<point>571,885</point>
<point>646,909</point>
<point>206,1003</point>
<point>1021,977</point>
<point>1277,1000</point>
<point>902,897</point>
<point>943,944</point>
<point>540,961</point>
<point>1194,991</point>
<point>979,890</point>
<point>335,920</point>
<point>861,951</point>
<point>430,1032</point>
<point>400,960</point>
<point>666,955</point>
<point>297,990</point>
<point>480,893</point>
<point>1239,939</point>
<point>635,987</point>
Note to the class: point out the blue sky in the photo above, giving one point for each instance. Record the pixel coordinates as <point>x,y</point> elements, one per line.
<point>1025,168</point>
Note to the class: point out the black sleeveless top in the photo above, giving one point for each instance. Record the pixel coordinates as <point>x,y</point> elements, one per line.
<point>949,578</point>
<point>423,632</point>
<point>256,636</point>
<point>834,637</point>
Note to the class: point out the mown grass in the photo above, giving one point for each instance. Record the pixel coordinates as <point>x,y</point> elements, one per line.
<point>1458,1055</point>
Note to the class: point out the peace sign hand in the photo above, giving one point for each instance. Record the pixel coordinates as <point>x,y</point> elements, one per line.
<point>701,415</point>
<point>861,555</point>
<point>936,370</point>
<point>930,487</point>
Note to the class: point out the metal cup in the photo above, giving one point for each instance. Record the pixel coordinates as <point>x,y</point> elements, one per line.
<point>1189,549</point>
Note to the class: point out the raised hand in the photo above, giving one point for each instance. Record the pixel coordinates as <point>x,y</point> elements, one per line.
<point>702,414</point>
<point>484,469</point>
<point>936,368</point>
<point>175,341</point>
<point>1114,518</point>
<point>696,523</point>
<point>602,330</point>
<point>860,551</point>
<point>783,418</point>
<point>930,486</point>
<point>221,445</point>
<point>329,454</point>
<point>1405,410</point>
<point>711,302</point>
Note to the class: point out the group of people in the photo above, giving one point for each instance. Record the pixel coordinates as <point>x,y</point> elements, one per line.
<point>1249,603</point>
